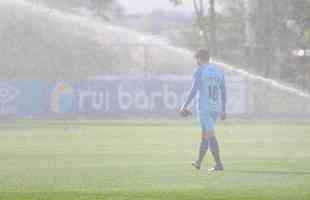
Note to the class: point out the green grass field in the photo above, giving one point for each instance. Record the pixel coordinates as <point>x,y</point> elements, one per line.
<point>148,161</point>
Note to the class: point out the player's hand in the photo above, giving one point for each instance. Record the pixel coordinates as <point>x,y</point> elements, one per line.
<point>223,116</point>
<point>184,112</point>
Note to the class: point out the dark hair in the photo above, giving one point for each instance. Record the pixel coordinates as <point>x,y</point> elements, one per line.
<point>203,54</point>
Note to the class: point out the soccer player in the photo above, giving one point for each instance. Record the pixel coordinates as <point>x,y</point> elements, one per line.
<point>209,84</point>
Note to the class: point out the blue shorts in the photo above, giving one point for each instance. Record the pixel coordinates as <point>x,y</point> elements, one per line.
<point>207,120</point>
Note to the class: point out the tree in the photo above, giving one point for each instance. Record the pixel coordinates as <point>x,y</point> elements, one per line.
<point>206,21</point>
<point>98,7</point>
<point>276,28</point>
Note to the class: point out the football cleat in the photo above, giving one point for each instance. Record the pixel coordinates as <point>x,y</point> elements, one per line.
<point>196,164</point>
<point>216,168</point>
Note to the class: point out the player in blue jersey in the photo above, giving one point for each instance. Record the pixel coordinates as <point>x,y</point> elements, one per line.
<point>209,85</point>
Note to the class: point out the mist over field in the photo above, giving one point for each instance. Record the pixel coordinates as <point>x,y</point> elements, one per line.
<point>92,98</point>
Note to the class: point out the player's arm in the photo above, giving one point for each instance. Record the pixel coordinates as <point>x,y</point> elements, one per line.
<point>224,97</point>
<point>193,91</point>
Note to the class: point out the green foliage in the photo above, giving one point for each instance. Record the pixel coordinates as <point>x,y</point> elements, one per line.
<point>98,7</point>
<point>275,28</point>
<point>101,4</point>
<point>40,47</point>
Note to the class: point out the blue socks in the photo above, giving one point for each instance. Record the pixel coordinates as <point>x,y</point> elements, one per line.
<point>215,150</point>
<point>203,149</point>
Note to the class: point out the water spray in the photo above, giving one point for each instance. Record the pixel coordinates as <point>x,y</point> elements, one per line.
<point>98,27</point>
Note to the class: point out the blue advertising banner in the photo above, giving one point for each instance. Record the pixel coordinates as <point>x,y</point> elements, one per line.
<point>107,97</point>
<point>133,97</point>
<point>118,97</point>
<point>62,97</point>
<point>22,98</point>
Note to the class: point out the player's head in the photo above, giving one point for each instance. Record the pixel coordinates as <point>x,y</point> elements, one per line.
<point>202,56</point>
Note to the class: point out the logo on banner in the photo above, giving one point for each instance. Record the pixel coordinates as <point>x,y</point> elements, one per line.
<point>62,98</point>
<point>8,94</point>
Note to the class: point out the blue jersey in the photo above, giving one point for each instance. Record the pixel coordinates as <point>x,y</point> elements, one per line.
<point>209,85</point>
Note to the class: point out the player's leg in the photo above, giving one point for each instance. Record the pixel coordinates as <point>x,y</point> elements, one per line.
<point>215,150</point>
<point>213,144</point>
<point>204,143</point>
<point>203,148</point>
